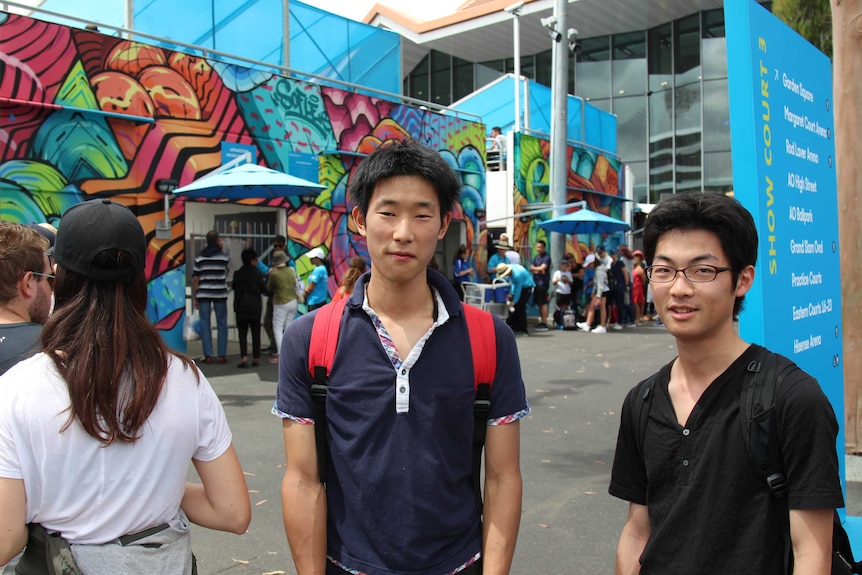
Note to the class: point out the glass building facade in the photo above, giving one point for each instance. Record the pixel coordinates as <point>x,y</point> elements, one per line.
<point>666,85</point>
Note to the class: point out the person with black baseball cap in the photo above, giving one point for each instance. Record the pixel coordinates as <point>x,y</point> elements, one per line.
<point>97,430</point>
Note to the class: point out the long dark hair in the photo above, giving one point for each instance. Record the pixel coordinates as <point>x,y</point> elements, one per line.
<point>111,356</point>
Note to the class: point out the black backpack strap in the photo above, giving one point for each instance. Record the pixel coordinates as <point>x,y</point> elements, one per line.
<point>318,393</point>
<point>642,407</point>
<point>481,409</point>
<point>641,403</point>
<point>759,427</point>
<point>758,420</point>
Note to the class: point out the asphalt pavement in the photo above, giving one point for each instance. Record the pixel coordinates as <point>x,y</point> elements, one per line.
<point>575,384</point>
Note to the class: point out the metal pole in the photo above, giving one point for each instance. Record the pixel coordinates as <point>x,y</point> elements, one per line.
<point>130,17</point>
<point>286,32</point>
<point>516,19</point>
<point>559,128</point>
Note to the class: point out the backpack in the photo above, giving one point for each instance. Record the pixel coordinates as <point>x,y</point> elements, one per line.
<point>483,345</point>
<point>612,280</point>
<point>760,435</point>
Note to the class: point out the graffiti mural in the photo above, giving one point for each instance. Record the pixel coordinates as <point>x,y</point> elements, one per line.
<point>592,177</point>
<point>86,115</point>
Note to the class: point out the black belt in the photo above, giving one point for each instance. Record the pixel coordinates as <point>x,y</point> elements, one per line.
<point>137,536</point>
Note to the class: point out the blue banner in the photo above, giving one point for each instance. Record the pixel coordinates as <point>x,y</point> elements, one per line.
<point>781,126</point>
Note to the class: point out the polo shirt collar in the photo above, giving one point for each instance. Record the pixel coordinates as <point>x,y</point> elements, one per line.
<point>447,302</point>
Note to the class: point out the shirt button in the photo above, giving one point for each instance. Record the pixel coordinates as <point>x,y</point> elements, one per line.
<point>685,432</point>
<point>402,389</point>
<point>685,462</point>
<point>403,372</point>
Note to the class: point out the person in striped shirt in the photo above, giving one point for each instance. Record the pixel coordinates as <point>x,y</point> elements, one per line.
<point>209,291</point>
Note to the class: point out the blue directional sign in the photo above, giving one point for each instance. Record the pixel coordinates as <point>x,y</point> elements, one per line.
<point>781,125</point>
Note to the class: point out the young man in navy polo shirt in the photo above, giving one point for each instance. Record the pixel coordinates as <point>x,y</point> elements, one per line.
<point>399,413</point>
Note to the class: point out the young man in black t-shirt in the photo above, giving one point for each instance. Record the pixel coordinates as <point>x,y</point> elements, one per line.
<point>696,503</point>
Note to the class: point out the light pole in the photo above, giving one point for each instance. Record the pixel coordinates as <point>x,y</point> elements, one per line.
<point>515,11</point>
<point>559,126</point>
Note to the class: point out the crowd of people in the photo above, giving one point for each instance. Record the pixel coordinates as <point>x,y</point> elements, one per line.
<point>609,290</point>
<point>614,289</point>
<point>253,282</point>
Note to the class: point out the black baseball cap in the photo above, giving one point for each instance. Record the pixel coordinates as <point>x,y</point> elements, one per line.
<point>91,227</point>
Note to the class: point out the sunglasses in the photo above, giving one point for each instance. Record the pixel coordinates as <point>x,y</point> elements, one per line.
<point>49,278</point>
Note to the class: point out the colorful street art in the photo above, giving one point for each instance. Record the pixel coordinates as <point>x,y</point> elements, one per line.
<point>86,115</point>
<point>592,177</point>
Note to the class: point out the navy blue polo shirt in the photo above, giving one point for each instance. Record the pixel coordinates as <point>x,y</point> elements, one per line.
<point>399,491</point>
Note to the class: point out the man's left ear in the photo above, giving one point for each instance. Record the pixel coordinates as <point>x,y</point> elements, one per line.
<point>744,281</point>
<point>444,226</point>
<point>359,220</point>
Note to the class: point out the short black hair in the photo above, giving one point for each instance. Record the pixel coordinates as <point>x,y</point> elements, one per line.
<point>248,255</point>
<point>280,239</point>
<point>406,158</point>
<point>716,213</point>
<point>212,237</point>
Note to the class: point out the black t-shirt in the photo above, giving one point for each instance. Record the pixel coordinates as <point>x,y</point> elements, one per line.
<point>617,272</point>
<point>709,510</point>
<point>18,341</point>
<point>248,286</point>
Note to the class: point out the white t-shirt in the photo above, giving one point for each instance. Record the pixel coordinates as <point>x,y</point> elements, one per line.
<point>600,281</point>
<point>89,492</point>
<point>560,286</point>
<point>513,257</point>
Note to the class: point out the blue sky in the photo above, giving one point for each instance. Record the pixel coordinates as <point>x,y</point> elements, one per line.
<point>113,11</point>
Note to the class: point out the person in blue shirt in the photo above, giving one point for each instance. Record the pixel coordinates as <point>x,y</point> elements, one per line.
<point>317,286</point>
<point>461,270</point>
<point>497,258</point>
<point>521,286</point>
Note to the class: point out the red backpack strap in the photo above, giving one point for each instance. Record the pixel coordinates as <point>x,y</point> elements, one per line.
<point>483,347</point>
<point>483,344</point>
<point>321,355</point>
<point>324,336</point>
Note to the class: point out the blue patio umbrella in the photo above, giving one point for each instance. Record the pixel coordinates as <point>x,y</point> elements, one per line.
<point>584,221</point>
<point>249,181</point>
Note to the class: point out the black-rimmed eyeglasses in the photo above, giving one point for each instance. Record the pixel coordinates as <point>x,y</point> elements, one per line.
<point>700,273</point>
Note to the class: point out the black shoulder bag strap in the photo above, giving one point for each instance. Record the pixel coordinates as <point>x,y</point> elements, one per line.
<point>760,433</point>
<point>642,403</point>
<point>757,420</point>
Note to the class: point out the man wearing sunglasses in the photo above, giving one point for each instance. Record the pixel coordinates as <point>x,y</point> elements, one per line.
<point>26,280</point>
